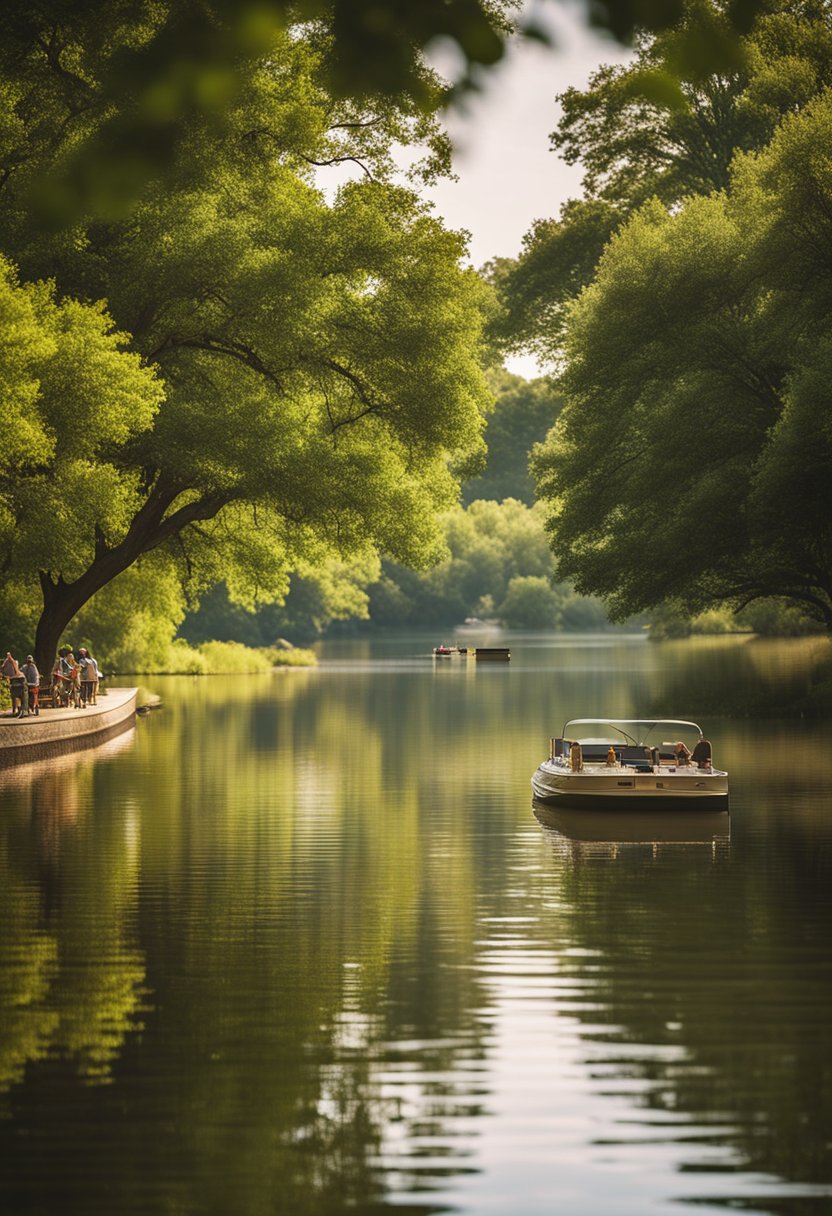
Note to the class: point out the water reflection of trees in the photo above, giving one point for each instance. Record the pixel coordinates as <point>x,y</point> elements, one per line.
<point>298,927</point>
<point>707,1000</point>
<point>738,678</point>
<point>71,976</point>
<point>327,926</point>
<point>283,885</point>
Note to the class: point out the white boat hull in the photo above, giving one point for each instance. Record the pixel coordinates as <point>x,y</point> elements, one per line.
<point>599,786</point>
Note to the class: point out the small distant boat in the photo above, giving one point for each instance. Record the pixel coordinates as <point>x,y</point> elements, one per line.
<point>629,763</point>
<point>449,652</point>
<point>494,654</point>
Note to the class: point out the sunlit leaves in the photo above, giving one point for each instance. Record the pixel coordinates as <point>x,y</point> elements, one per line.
<point>664,126</point>
<point>25,345</point>
<point>320,352</point>
<point>692,454</point>
<point>72,397</point>
<point>134,78</point>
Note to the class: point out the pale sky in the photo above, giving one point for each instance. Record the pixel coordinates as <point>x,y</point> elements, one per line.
<point>507,175</point>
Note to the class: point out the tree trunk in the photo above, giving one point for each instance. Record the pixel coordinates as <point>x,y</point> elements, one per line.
<point>149,529</point>
<point>53,621</point>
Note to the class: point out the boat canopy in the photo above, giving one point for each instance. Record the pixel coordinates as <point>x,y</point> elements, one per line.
<point>619,725</point>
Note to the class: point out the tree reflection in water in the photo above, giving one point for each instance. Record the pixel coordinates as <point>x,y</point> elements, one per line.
<point>287,923</point>
<point>71,975</point>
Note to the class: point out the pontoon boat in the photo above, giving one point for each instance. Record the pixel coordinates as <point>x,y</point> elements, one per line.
<point>633,763</point>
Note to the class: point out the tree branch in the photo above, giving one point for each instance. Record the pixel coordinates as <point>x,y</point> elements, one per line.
<point>234,350</point>
<point>52,53</point>
<point>202,508</point>
<point>338,160</point>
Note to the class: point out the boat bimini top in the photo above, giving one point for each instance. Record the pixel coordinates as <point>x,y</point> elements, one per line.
<point>643,728</point>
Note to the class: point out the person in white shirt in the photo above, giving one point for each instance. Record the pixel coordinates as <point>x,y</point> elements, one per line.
<point>89,676</point>
<point>32,677</point>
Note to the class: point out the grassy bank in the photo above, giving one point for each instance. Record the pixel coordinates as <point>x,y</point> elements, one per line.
<point>223,658</point>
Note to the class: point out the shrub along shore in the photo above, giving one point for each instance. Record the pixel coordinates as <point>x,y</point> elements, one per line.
<point>210,659</point>
<point>225,658</point>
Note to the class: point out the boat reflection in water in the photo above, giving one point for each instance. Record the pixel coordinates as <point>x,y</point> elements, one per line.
<point>635,827</point>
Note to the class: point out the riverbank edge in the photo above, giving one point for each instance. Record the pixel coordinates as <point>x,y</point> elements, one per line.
<point>55,732</point>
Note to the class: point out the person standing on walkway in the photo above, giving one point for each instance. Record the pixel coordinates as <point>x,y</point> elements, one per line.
<point>10,667</point>
<point>17,684</point>
<point>32,677</point>
<point>70,678</point>
<point>95,675</point>
<point>88,676</point>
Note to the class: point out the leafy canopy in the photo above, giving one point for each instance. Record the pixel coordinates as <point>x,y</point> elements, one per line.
<point>693,455</point>
<point>315,381</point>
<point>138,73</point>
<point>649,129</point>
<point>73,397</point>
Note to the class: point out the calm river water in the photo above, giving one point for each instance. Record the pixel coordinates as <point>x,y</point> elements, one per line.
<point>299,944</point>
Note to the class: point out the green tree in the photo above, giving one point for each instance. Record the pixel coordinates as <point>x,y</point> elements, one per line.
<point>531,603</point>
<point>491,547</point>
<point>332,590</point>
<point>649,130</point>
<point>138,75</point>
<point>693,455</point>
<point>316,383</point>
<point>524,411</point>
<point>73,397</point>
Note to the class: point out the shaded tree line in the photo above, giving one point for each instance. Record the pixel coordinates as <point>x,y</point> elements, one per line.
<point>686,299</point>
<point>496,564</point>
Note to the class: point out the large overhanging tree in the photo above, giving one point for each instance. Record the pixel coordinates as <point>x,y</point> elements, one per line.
<point>639,132</point>
<point>693,456</point>
<point>292,369</point>
<point>160,61</point>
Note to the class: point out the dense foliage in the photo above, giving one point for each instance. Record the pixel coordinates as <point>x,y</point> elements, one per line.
<point>691,457</point>
<point>640,132</point>
<point>139,75</point>
<point>524,412</point>
<point>294,374</point>
<point>497,566</point>
<point>496,561</point>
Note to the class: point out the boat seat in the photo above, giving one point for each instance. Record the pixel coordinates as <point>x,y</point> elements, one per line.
<point>594,753</point>
<point>639,758</point>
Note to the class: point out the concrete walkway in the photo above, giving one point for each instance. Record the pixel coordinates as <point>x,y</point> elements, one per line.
<point>55,731</point>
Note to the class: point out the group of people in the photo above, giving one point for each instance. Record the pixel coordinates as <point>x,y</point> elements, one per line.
<point>76,672</point>
<point>75,678</point>
<point>700,756</point>
<point>24,683</point>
